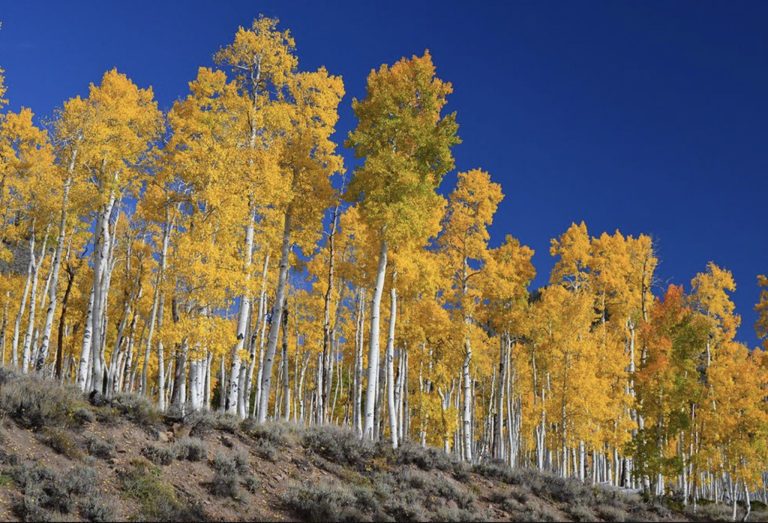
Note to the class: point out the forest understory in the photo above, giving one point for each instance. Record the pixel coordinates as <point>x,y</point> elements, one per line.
<point>67,457</point>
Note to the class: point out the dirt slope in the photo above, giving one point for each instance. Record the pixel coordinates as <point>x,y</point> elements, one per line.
<point>63,457</point>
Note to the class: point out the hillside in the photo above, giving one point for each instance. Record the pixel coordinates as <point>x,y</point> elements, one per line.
<point>65,457</point>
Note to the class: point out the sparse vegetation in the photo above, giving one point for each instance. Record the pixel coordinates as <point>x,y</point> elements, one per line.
<point>192,449</point>
<point>62,442</point>
<point>251,484</point>
<point>97,509</point>
<point>137,408</point>
<point>34,403</point>
<point>99,447</point>
<point>204,422</point>
<point>46,494</point>
<point>317,474</point>
<point>268,438</point>
<point>225,479</point>
<point>158,500</point>
<point>160,454</point>
<point>339,445</point>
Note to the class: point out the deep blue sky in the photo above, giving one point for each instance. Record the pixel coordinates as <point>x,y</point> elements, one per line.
<point>644,116</point>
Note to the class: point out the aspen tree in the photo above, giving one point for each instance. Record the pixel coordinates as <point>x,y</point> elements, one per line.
<point>262,61</point>
<point>27,156</point>
<point>464,240</point>
<point>508,272</point>
<point>309,159</point>
<point>667,385</point>
<point>122,122</point>
<point>406,145</point>
<point>69,129</point>
<point>737,422</point>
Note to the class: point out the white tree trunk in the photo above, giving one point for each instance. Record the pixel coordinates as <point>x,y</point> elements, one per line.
<point>277,313</point>
<point>155,304</point>
<point>234,395</point>
<point>498,427</point>
<point>373,352</point>
<point>390,356</point>
<point>161,384</point>
<point>19,316</point>
<point>36,262</point>
<point>466,418</point>
<point>54,287</point>
<point>358,378</point>
<point>3,327</point>
<point>85,352</point>
<point>100,254</point>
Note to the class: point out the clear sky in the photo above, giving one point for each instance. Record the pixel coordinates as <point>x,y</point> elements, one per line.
<point>643,116</point>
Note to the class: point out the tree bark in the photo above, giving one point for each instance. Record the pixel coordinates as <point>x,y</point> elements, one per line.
<point>373,352</point>
<point>242,320</point>
<point>54,287</point>
<point>390,356</point>
<point>167,226</point>
<point>36,262</point>
<point>274,327</point>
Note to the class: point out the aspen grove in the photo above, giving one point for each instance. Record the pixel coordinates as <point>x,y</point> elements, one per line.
<point>220,257</point>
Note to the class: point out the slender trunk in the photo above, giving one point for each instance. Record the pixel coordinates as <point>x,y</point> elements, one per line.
<point>84,368</point>
<point>255,334</point>
<point>62,319</point>
<point>168,225</point>
<point>207,384</point>
<point>358,379</point>
<point>161,371</point>
<point>498,437</point>
<point>242,320</point>
<point>466,418</point>
<point>3,327</point>
<point>324,370</point>
<point>465,370</point>
<point>178,395</point>
<point>274,327</point>
<point>19,316</point>
<point>390,356</point>
<point>373,353</point>
<point>36,262</point>
<point>54,286</point>
<point>747,501</point>
<point>300,389</point>
<point>286,368</point>
<point>260,373</point>
<point>100,254</point>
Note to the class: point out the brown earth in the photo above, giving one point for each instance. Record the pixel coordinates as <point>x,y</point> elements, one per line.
<point>65,458</point>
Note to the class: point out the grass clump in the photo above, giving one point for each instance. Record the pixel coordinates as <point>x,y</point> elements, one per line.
<point>98,510</point>
<point>159,455</point>
<point>142,482</point>
<point>268,438</point>
<point>324,502</point>
<point>204,422</point>
<point>100,448</point>
<point>339,445</point>
<point>35,403</point>
<point>46,494</point>
<point>191,449</point>
<point>136,408</point>
<point>225,479</point>
<point>61,441</point>
<point>425,458</point>
<point>251,484</point>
